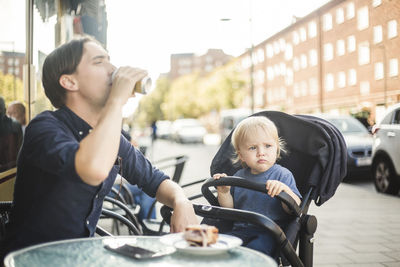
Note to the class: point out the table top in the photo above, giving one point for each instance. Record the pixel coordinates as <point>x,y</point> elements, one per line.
<point>91,252</point>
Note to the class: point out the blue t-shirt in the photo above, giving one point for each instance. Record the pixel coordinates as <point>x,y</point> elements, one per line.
<point>259,202</point>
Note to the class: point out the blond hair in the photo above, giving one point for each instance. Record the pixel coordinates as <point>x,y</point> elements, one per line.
<point>248,127</point>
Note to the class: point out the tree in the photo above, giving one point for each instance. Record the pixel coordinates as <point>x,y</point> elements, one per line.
<point>7,88</point>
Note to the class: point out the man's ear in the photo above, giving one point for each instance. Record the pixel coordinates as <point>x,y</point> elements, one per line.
<point>68,82</point>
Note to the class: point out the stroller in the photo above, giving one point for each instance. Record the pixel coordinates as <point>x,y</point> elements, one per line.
<point>317,158</point>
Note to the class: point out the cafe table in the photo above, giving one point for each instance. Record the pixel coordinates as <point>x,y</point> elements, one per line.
<point>91,252</point>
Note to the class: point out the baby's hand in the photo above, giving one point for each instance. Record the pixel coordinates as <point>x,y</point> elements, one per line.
<point>223,189</point>
<point>274,187</point>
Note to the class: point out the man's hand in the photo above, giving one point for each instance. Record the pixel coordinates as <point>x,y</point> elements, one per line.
<point>183,216</point>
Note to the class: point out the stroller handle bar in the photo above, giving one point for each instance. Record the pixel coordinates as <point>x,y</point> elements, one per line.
<point>245,183</point>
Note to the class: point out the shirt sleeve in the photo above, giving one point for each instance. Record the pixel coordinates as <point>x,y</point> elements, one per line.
<point>288,179</point>
<point>137,169</point>
<point>50,146</point>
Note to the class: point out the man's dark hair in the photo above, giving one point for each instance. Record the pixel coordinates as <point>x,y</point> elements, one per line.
<point>63,60</point>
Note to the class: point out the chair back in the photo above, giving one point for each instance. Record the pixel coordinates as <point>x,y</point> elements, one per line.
<point>7,180</point>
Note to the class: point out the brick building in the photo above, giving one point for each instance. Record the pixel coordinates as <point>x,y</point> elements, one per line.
<point>12,63</point>
<point>340,58</point>
<point>182,64</point>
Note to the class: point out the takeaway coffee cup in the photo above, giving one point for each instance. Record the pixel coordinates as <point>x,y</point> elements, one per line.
<point>142,86</point>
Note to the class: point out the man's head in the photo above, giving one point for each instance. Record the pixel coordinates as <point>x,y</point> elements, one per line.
<point>60,65</point>
<point>16,110</point>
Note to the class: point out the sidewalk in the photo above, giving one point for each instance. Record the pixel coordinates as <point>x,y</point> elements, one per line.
<point>357,227</point>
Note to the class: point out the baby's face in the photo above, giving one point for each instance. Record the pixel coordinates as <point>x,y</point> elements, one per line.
<point>258,151</point>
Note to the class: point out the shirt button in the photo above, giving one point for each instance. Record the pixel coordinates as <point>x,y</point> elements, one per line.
<point>97,196</point>
<point>80,132</point>
<point>87,222</point>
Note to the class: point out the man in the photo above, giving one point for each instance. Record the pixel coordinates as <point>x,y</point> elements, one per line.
<point>16,110</point>
<point>70,157</point>
<point>10,139</point>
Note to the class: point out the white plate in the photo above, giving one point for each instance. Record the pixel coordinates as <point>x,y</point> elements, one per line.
<point>224,243</point>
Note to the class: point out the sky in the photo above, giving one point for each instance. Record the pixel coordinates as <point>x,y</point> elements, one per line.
<point>144,33</point>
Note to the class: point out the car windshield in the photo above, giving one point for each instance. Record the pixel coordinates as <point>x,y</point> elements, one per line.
<point>346,125</point>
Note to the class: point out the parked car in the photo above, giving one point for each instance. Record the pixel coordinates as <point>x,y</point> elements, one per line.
<point>358,141</point>
<point>386,152</point>
<point>188,131</point>
<point>163,129</point>
<point>229,119</point>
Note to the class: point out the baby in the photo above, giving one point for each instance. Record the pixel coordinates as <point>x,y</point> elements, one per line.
<point>258,146</point>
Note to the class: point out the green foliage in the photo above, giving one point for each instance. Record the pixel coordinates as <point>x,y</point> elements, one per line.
<point>192,96</point>
<point>7,90</point>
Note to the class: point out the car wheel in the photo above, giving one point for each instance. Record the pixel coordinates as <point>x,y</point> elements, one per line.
<point>384,177</point>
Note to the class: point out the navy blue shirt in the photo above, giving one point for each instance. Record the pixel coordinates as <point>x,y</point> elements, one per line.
<point>51,202</point>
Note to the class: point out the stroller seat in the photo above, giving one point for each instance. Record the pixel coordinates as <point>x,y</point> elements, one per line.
<point>317,158</point>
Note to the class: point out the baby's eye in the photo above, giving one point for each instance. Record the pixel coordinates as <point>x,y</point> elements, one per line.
<point>267,146</point>
<point>252,148</point>
<point>98,62</point>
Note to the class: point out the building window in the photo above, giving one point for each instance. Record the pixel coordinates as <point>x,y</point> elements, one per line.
<point>340,47</point>
<point>313,57</point>
<point>363,53</point>
<point>282,67</point>
<point>341,81</point>
<point>393,67</point>
<point>296,64</point>
<point>351,44</point>
<point>364,87</point>
<point>328,52</point>
<point>303,61</point>
<point>260,55</point>
<point>313,85</point>
<point>378,34</point>
<point>362,18</point>
<point>329,82</point>
<point>270,73</point>
<point>282,44</point>
<point>312,29</point>
<point>288,52</point>
<point>352,77</point>
<point>339,16</point>
<point>376,3</point>
<point>260,76</point>
<point>379,71</point>
<point>296,38</point>
<point>270,51</point>
<point>350,10</point>
<point>276,48</point>
<point>327,22</point>
<point>303,34</point>
<point>392,29</point>
<point>289,76</point>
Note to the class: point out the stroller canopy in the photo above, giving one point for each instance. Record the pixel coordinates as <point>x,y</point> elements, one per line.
<point>316,153</point>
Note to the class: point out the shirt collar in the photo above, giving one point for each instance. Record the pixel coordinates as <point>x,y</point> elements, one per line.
<point>79,127</point>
